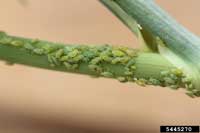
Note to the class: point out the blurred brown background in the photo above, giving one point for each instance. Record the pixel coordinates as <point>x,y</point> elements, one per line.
<point>35,100</point>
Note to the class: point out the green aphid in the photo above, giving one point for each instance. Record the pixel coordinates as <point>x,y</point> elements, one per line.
<point>68,49</point>
<point>186,80</point>
<point>128,73</point>
<point>38,51</point>
<point>169,81</point>
<point>89,54</point>
<point>59,53</point>
<point>74,53</point>
<point>124,60</point>
<point>141,82</point>
<point>177,72</point>
<point>95,68</point>
<point>67,65</point>
<point>164,73</point>
<point>153,81</point>
<point>118,53</point>
<point>106,58</point>
<point>64,58</point>
<point>174,77</point>
<point>131,62</point>
<point>5,40</point>
<point>49,59</point>
<point>95,61</point>
<point>78,58</point>
<point>174,87</point>
<point>16,43</point>
<point>122,79</point>
<point>28,46</point>
<point>121,48</point>
<point>55,61</point>
<point>75,66</point>
<point>116,60</point>
<point>131,53</point>
<point>107,74</point>
<point>52,60</point>
<point>47,48</point>
<point>133,67</point>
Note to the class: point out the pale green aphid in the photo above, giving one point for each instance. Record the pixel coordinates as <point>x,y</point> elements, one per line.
<point>175,87</point>
<point>38,51</point>
<point>128,73</point>
<point>53,60</point>
<point>186,80</point>
<point>16,43</point>
<point>95,61</point>
<point>59,53</point>
<point>131,53</point>
<point>118,53</point>
<point>169,81</point>
<point>177,72</point>
<point>107,74</point>
<point>47,48</point>
<point>133,67</point>
<point>5,40</point>
<point>153,81</point>
<point>106,58</point>
<point>67,65</point>
<point>64,58</point>
<point>116,60</point>
<point>28,46</point>
<point>77,58</point>
<point>164,73</point>
<point>122,79</point>
<point>124,60</point>
<point>130,63</point>
<point>74,53</point>
<point>141,82</point>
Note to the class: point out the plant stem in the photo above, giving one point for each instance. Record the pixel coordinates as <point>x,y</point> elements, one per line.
<point>178,45</point>
<point>118,62</point>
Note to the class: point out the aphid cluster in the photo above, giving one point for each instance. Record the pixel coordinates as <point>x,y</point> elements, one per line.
<point>98,59</point>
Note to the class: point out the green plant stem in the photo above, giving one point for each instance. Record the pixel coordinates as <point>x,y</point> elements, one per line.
<point>31,52</point>
<point>178,45</point>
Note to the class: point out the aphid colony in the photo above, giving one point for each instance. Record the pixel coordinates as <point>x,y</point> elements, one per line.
<point>98,60</point>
